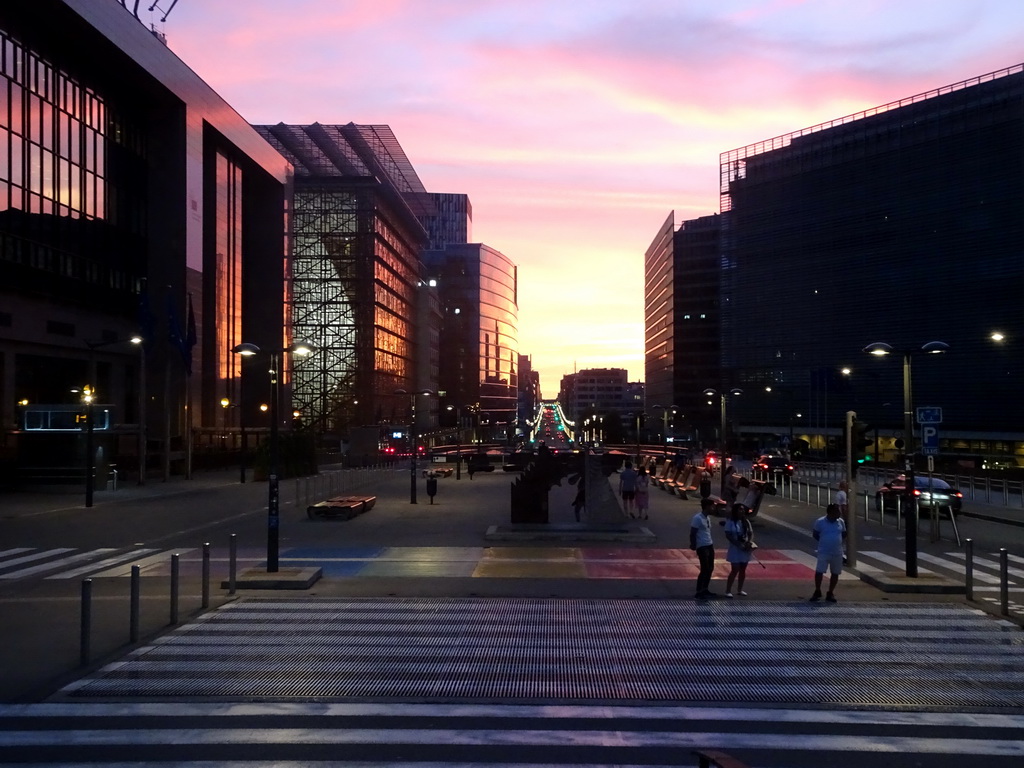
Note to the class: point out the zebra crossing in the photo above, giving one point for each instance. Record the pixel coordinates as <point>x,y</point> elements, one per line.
<point>559,681</point>
<point>373,735</point>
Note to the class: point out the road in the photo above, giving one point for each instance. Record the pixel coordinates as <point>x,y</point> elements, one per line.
<point>425,642</point>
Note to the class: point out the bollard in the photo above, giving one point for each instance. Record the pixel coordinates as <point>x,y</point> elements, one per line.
<point>206,575</point>
<point>84,647</point>
<point>969,568</point>
<point>174,589</point>
<point>232,562</point>
<point>1004,582</point>
<point>133,606</point>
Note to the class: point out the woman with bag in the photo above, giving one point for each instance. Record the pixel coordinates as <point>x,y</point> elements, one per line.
<point>740,534</point>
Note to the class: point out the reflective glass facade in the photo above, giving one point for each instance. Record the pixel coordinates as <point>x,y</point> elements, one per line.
<point>903,225</point>
<point>354,273</point>
<point>127,191</point>
<point>478,287</point>
<point>58,141</point>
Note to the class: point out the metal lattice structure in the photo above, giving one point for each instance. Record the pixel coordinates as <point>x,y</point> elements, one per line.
<point>354,271</point>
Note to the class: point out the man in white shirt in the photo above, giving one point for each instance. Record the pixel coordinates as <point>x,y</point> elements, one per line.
<point>702,543</point>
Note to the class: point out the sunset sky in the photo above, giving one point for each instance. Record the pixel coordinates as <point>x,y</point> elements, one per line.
<point>576,127</point>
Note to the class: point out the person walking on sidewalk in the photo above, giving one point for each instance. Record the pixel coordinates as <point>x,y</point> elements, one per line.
<point>842,500</point>
<point>643,495</point>
<point>627,487</point>
<point>702,543</point>
<point>830,533</point>
<point>740,534</point>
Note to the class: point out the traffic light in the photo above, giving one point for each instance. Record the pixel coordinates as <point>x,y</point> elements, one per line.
<point>860,443</point>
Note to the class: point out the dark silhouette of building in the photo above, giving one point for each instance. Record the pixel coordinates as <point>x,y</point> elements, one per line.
<point>135,201</point>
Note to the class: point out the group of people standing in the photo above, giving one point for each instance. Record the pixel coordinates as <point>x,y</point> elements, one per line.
<point>829,532</point>
<point>634,488</point>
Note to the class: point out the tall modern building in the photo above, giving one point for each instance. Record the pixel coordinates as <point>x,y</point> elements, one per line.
<point>356,278</point>
<point>133,201</point>
<point>479,293</point>
<point>901,224</point>
<point>682,270</point>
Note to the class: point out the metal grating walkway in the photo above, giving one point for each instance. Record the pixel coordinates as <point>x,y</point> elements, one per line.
<point>886,655</point>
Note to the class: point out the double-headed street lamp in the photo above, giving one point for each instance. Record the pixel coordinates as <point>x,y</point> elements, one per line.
<point>412,435</point>
<point>273,496</point>
<point>458,437</point>
<point>882,349</point>
<point>712,393</point>
<point>226,403</point>
<point>665,410</point>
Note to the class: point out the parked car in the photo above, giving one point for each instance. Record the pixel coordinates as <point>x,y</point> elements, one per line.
<point>929,491</point>
<point>770,464</point>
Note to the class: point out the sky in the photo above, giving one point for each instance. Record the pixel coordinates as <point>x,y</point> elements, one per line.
<point>577,127</point>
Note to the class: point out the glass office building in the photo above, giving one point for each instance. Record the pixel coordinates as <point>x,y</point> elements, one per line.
<point>355,272</point>
<point>901,224</point>
<point>127,188</point>
<point>478,290</point>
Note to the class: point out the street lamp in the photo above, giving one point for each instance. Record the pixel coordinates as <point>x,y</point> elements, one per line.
<point>141,343</point>
<point>458,438</point>
<point>412,436</point>
<point>226,403</point>
<point>709,392</point>
<point>88,395</point>
<point>665,409</point>
<point>881,349</point>
<point>273,496</point>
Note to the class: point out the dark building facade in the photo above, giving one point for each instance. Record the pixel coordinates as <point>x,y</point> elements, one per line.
<point>133,201</point>
<point>356,277</point>
<point>479,294</point>
<point>903,225</point>
<point>682,324</point>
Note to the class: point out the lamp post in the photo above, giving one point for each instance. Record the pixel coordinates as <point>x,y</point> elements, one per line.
<point>881,349</point>
<point>458,438</point>
<point>273,491</point>
<point>141,343</point>
<point>665,409</point>
<point>90,450</point>
<point>412,436</point>
<point>710,392</point>
<point>226,403</point>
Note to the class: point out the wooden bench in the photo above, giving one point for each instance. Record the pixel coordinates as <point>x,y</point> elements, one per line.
<point>713,757</point>
<point>341,507</point>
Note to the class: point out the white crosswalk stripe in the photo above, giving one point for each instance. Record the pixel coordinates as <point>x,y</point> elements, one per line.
<point>492,734</point>
<point>67,563</point>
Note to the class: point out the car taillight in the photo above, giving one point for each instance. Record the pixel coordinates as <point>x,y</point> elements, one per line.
<point>958,495</point>
<point>711,461</point>
<point>917,492</point>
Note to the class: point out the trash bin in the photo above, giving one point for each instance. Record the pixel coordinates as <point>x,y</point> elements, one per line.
<point>431,488</point>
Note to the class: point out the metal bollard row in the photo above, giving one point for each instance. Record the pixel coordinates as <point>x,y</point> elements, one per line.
<point>85,628</point>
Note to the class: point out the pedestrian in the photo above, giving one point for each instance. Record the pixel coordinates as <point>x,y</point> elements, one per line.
<point>643,496</point>
<point>702,543</point>
<point>842,501</point>
<point>830,533</point>
<point>580,502</point>
<point>627,487</point>
<point>730,484</point>
<point>740,534</point>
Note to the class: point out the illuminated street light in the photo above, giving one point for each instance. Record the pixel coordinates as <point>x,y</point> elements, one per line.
<point>712,393</point>
<point>273,494</point>
<point>881,349</point>
<point>413,436</point>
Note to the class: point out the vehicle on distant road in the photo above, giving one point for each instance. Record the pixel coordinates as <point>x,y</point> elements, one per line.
<point>771,464</point>
<point>930,492</point>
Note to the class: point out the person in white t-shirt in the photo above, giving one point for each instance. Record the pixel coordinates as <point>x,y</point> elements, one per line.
<point>702,543</point>
<point>830,533</point>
